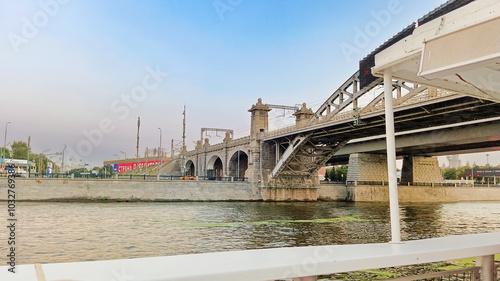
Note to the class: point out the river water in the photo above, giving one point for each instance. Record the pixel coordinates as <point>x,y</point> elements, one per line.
<point>71,232</point>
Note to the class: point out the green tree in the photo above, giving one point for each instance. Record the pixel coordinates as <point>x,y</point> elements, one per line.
<point>78,172</point>
<point>19,150</point>
<point>450,173</point>
<point>331,174</point>
<point>461,172</point>
<point>40,163</point>
<point>341,173</point>
<point>6,153</point>
<point>327,173</point>
<point>106,171</point>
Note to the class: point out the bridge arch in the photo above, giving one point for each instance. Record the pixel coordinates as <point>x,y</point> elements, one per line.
<point>190,168</point>
<point>215,167</point>
<point>238,164</point>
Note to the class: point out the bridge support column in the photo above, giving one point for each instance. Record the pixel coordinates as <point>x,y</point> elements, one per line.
<point>391,157</point>
<point>420,169</point>
<point>367,167</point>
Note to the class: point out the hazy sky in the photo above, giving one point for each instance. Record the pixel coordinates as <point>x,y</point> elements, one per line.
<point>79,73</point>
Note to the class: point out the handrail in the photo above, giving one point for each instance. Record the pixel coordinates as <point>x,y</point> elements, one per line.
<point>270,264</point>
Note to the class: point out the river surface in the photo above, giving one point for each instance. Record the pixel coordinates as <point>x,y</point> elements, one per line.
<point>70,232</point>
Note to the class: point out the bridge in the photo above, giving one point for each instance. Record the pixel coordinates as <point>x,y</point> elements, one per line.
<point>430,83</point>
<point>428,121</point>
<point>456,110</point>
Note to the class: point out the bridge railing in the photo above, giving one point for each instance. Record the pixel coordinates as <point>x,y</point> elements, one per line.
<point>231,144</point>
<point>294,263</point>
<point>148,177</point>
<point>223,178</point>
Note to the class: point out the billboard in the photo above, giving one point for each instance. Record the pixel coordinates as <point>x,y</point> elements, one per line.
<point>124,167</point>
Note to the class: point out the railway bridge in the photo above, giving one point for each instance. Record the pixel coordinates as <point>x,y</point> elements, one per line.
<point>429,122</point>
<point>435,91</point>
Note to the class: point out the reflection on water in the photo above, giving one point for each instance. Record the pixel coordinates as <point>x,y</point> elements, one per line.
<point>68,232</point>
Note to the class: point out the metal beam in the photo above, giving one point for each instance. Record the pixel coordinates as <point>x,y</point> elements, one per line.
<point>215,130</point>
<point>285,107</point>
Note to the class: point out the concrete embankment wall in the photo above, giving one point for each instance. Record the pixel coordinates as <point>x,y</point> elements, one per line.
<point>370,193</point>
<point>374,193</point>
<point>79,189</point>
<point>333,192</point>
<point>76,189</point>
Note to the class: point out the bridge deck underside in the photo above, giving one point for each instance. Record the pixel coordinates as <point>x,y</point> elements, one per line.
<point>452,110</point>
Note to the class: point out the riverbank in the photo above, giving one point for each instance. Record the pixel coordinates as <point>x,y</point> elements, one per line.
<point>92,190</point>
<point>129,190</point>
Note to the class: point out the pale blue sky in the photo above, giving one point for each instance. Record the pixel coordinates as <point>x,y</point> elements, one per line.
<point>73,71</point>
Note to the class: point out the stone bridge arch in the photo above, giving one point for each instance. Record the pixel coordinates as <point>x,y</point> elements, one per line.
<point>215,166</point>
<point>238,164</point>
<point>190,168</point>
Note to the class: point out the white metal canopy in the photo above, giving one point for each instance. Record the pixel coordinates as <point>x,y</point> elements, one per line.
<point>459,51</point>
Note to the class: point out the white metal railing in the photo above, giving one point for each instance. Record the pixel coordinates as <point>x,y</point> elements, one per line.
<point>297,263</point>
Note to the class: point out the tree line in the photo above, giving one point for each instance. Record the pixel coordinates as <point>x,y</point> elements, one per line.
<point>20,150</point>
<point>459,173</point>
<point>336,173</point>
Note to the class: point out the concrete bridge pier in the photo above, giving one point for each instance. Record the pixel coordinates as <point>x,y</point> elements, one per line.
<point>367,167</point>
<point>420,169</point>
<point>373,167</point>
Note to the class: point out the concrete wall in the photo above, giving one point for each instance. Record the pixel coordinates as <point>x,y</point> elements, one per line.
<point>334,192</point>
<point>66,189</point>
<point>372,193</point>
<point>289,194</point>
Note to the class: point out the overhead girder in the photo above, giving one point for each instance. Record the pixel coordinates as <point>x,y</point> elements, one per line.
<point>339,103</point>
<point>305,156</point>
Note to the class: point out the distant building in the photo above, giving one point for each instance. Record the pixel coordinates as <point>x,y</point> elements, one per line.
<point>321,173</point>
<point>454,161</point>
<point>21,166</point>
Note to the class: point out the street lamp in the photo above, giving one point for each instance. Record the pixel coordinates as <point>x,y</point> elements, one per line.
<point>160,152</point>
<point>5,140</point>
<point>160,142</point>
<point>62,165</point>
<point>487,162</point>
<point>118,157</point>
<point>40,161</point>
<point>125,154</point>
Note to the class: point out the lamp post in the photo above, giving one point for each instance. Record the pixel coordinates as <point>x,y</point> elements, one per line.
<point>40,161</point>
<point>29,140</point>
<point>472,172</point>
<point>118,157</point>
<point>62,165</point>
<point>147,161</point>
<point>159,152</point>
<point>124,154</point>
<point>5,140</point>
